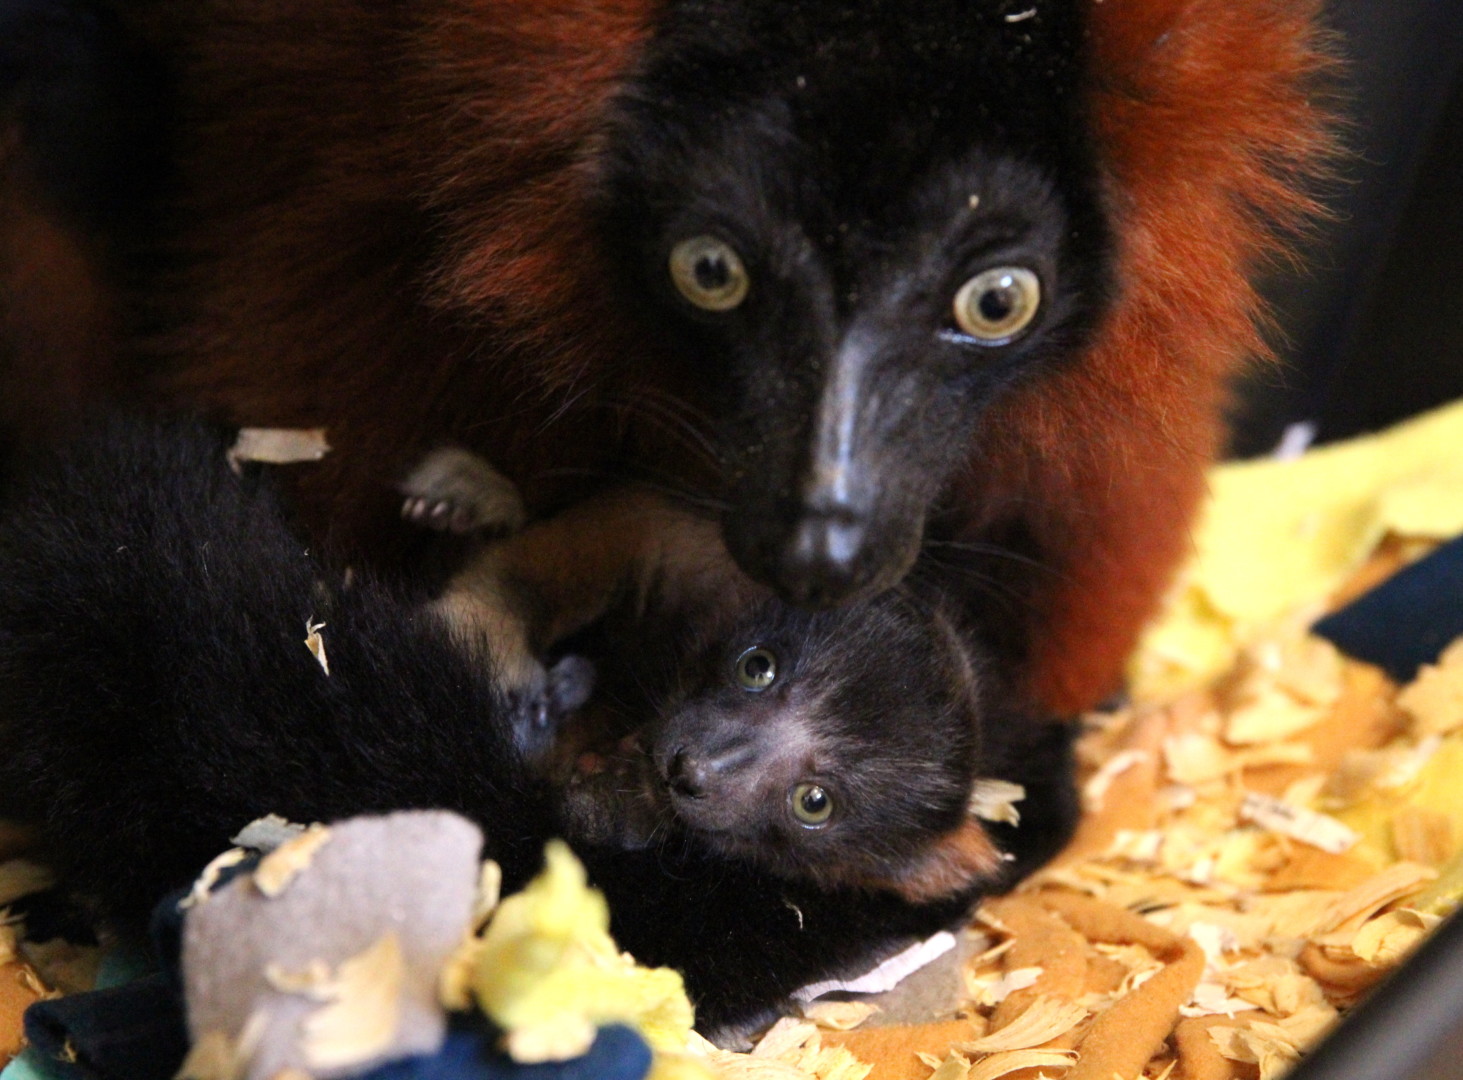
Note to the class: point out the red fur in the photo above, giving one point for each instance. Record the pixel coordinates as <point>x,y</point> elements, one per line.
<point>1208,132</point>
<point>57,319</point>
<point>442,169</point>
<point>959,861</point>
<point>442,173</point>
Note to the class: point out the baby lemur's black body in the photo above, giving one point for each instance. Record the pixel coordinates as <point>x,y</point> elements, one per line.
<point>156,694</point>
<point>840,746</point>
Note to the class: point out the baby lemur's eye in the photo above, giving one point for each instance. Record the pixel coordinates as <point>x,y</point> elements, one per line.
<point>811,805</point>
<point>709,273</point>
<point>997,304</point>
<point>756,669</point>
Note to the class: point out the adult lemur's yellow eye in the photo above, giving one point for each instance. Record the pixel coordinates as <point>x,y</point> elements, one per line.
<point>709,273</point>
<point>811,805</point>
<point>756,669</point>
<point>997,304</point>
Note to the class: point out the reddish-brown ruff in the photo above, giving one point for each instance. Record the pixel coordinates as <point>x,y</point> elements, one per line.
<point>1209,136</point>
<point>388,237</point>
<point>57,318</point>
<point>392,240</point>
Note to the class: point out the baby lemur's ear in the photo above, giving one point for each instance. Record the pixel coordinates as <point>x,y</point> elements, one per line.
<point>956,862</point>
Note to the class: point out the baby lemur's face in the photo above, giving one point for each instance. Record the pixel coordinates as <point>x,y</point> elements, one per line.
<point>839,747</point>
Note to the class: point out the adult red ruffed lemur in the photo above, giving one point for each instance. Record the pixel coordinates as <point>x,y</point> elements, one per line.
<point>865,279</point>
<point>973,270</point>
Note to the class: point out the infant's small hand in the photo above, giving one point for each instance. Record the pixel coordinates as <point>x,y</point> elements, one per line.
<point>456,491</point>
<point>539,704</point>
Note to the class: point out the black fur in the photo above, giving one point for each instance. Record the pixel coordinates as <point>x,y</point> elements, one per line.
<point>877,704</point>
<point>156,694</point>
<point>89,107</point>
<point>831,145</point>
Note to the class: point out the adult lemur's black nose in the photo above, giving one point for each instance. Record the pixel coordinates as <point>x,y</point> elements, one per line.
<point>818,557</point>
<point>823,560</point>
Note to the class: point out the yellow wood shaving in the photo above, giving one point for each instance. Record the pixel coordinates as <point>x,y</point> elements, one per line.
<point>1043,1020</point>
<point>1275,984</point>
<point>994,953</point>
<point>361,1019</point>
<point>1193,758</point>
<point>1389,938</point>
<point>1012,1060</point>
<point>216,1055</point>
<point>1267,1045</point>
<point>839,1015</point>
<point>1423,836</point>
<point>1307,667</point>
<point>1270,716</point>
<point>204,883</point>
<point>1284,753</point>
<point>1197,759</point>
<point>1095,790</point>
<point>1387,769</point>
<point>1307,1026</point>
<point>489,891</point>
<point>280,867</point>
<point>211,1057</point>
<point>278,446</point>
<point>744,1067</point>
<point>1295,914</point>
<point>1298,823</point>
<point>953,1067</point>
<point>1394,883</point>
<point>992,988</point>
<point>315,981</point>
<point>829,1062</point>
<point>316,644</point>
<point>1434,699</point>
<point>995,800</point>
<point>786,1035</point>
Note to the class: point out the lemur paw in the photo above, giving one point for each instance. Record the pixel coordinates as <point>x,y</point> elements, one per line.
<point>456,491</point>
<point>538,709</point>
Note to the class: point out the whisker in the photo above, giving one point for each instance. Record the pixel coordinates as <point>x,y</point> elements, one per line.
<point>935,548</point>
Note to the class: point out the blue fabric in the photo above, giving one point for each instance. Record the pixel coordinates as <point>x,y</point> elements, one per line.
<point>130,1032</point>
<point>129,1028</point>
<point>618,1053</point>
<point>30,1065</point>
<point>1407,620</point>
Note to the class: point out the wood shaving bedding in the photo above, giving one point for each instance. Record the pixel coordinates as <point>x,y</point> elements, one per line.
<point>1254,856</point>
<point>1240,878</point>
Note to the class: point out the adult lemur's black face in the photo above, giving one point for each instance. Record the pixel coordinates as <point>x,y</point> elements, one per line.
<point>852,238</point>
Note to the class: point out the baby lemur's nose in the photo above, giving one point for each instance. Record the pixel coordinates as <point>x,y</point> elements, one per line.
<point>695,774</point>
<point>689,776</point>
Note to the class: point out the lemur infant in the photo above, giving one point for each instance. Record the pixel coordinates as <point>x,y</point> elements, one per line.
<point>842,746</point>
<point>794,784</point>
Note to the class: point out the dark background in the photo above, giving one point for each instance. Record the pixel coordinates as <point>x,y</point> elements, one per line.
<point>1373,330</point>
